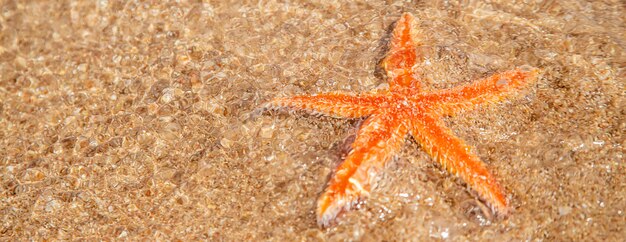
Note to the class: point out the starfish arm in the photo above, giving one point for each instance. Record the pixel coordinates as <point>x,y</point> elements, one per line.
<point>332,104</point>
<point>456,157</point>
<point>379,137</point>
<point>488,90</point>
<point>402,57</point>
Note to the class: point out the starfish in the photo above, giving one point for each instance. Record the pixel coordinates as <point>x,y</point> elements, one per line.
<point>404,109</point>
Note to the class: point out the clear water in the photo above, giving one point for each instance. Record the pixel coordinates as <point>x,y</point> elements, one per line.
<point>136,120</point>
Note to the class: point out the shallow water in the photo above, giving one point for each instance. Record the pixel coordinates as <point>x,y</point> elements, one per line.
<point>135,120</point>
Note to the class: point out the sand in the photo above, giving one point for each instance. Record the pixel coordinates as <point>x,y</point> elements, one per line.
<point>139,120</point>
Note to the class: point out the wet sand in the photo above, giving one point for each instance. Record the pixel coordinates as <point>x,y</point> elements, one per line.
<point>127,120</point>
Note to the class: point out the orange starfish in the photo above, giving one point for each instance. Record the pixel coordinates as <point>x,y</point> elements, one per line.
<point>403,109</point>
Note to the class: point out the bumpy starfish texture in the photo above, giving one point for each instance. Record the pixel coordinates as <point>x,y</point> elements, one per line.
<point>401,110</point>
